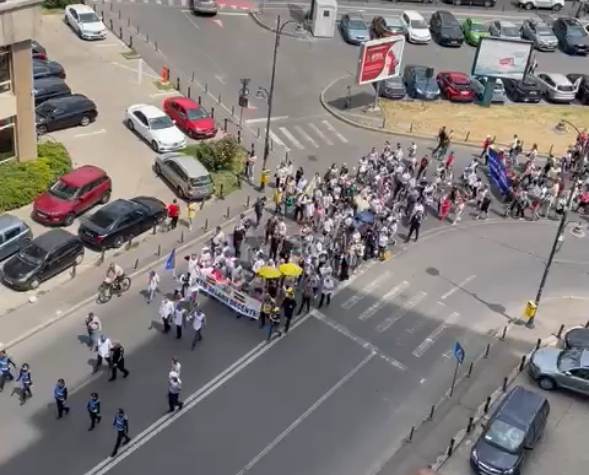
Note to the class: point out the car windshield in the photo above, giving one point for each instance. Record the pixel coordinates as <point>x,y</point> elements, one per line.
<point>504,436</point>
<point>45,109</point>
<point>451,30</point>
<point>510,31</point>
<point>103,219</point>
<point>200,181</point>
<point>64,191</point>
<point>357,25</point>
<point>576,32</point>
<point>162,122</point>
<point>33,253</point>
<point>88,17</point>
<point>478,27</point>
<point>418,24</point>
<point>195,114</point>
<point>393,23</point>
<point>569,359</point>
<point>543,31</point>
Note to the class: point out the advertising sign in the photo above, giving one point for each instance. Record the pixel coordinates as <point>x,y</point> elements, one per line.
<point>380,59</point>
<point>500,58</point>
<point>238,301</point>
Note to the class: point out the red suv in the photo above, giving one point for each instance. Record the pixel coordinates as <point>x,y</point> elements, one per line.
<point>456,86</point>
<point>74,193</point>
<point>190,118</point>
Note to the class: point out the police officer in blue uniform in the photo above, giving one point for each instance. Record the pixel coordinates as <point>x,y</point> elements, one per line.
<point>26,381</point>
<point>5,374</point>
<point>93,407</point>
<point>121,425</point>
<point>60,395</point>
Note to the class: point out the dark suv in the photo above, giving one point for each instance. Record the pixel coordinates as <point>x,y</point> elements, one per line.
<point>583,91</point>
<point>64,112</point>
<point>48,88</point>
<point>445,29</point>
<point>43,68</point>
<point>572,37</point>
<point>524,90</point>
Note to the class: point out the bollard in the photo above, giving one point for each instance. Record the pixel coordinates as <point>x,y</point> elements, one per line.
<point>411,127</point>
<point>487,350</point>
<point>178,83</point>
<point>129,22</point>
<point>467,136</point>
<point>206,226</point>
<point>129,243</point>
<point>202,204</point>
<point>155,45</point>
<point>538,343</point>
<point>587,324</point>
<point>206,87</point>
<point>253,150</point>
<point>522,363</point>
<point>247,202</point>
<point>102,16</point>
<point>111,7</point>
<point>212,112</point>
<point>225,125</point>
<point>239,136</point>
<point>147,38</point>
<point>136,264</point>
<point>221,195</point>
<point>431,412</point>
<point>384,122</point>
<point>193,76</point>
<point>200,100</point>
<point>219,99</point>
<point>286,156</point>
<point>470,424</point>
<point>154,230</point>
<point>110,21</point>
<point>271,144</point>
<point>451,447</point>
<point>503,333</point>
<point>74,270</point>
<point>119,14</point>
<point>505,381</point>
<point>470,368</point>
<point>130,42</point>
<point>102,256</point>
<point>159,250</point>
<point>487,404</point>
<point>232,111</point>
<point>258,132</point>
<point>238,180</point>
<point>121,32</point>
<point>228,212</point>
<point>181,237</point>
<point>188,93</point>
<point>560,330</point>
<point>550,151</point>
<point>411,432</point>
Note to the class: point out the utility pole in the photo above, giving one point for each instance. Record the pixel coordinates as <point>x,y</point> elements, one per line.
<point>244,93</point>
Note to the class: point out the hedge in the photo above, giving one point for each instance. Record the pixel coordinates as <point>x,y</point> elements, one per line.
<point>21,182</point>
<point>50,4</point>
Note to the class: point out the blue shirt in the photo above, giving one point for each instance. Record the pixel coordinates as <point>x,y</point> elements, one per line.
<point>60,392</point>
<point>24,377</point>
<point>94,406</point>
<point>120,423</point>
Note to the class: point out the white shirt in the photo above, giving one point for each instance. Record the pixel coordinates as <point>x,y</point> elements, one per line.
<point>104,347</point>
<point>198,320</point>
<point>178,316</point>
<point>154,282</point>
<point>176,369</point>
<point>166,308</point>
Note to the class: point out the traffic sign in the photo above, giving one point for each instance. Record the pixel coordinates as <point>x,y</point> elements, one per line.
<point>459,352</point>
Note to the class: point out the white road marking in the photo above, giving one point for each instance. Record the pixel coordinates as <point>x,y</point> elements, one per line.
<point>190,17</point>
<point>291,137</point>
<point>129,68</point>
<point>457,287</point>
<point>106,45</point>
<point>233,13</point>
<point>431,339</point>
<point>277,140</point>
<point>321,135</point>
<point>306,136</point>
<point>333,130</point>
<point>376,306</point>
<point>220,78</point>
<point>356,339</point>
<point>163,422</point>
<point>420,322</point>
<point>184,3</point>
<point>354,299</point>
<point>89,134</point>
<point>172,92</point>
<point>263,119</point>
<point>280,437</point>
<point>390,321</point>
<point>171,3</point>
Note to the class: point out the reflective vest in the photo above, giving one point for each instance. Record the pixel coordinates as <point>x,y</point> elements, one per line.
<point>4,364</point>
<point>59,392</point>
<point>93,405</point>
<point>120,423</point>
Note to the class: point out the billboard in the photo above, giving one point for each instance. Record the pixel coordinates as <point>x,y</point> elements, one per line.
<point>380,59</point>
<point>501,58</point>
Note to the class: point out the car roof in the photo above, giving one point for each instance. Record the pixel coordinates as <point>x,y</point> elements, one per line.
<point>558,78</point>
<point>118,207</point>
<point>392,20</point>
<point>185,102</point>
<point>81,8</point>
<point>83,175</point>
<point>149,111</point>
<point>9,220</point>
<point>190,164</point>
<point>413,15</point>
<point>47,81</point>
<point>445,14</point>
<point>356,16</point>
<point>455,75</point>
<point>65,100</point>
<point>520,407</point>
<point>54,238</point>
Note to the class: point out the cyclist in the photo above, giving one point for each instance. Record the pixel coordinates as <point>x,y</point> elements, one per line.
<point>114,275</point>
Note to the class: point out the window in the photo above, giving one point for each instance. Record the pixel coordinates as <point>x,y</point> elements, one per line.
<point>11,233</point>
<point>5,73</point>
<point>7,140</point>
<point>326,13</point>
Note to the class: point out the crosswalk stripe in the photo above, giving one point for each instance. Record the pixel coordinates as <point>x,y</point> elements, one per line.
<point>306,136</point>
<point>333,130</point>
<point>320,134</point>
<point>277,140</point>
<point>433,336</point>
<point>390,321</point>
<point>291,137</point>
<point>354,299</point>
<point>375,307</point>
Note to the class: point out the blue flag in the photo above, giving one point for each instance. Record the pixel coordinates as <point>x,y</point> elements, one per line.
<point>497,172</point>
<point>171,261</point>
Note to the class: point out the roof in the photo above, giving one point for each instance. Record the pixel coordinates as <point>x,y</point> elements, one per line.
<point>68,99</point>
<point>413,15</point>
<point>82,175</point>
<point>192,166</point>
<point>455,75</point>
<point>558,78</point>
<point>81,8</point>
<point>326,3</point>
<point>520,406</point>
<point>47,81</point>
<point>118,207</point>
<point>53,238</point>
<point>185,102</point>
<point>506,23</point>
<point>7,220</point>
<point>355,16</point>
<point>151,112</point>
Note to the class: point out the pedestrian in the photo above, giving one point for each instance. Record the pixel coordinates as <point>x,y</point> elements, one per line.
<point>277,198</point>
<point>153,283</point>
<point>484,210</point>
<point>5,374</point>
<point>250,165</point>
<point>217,241</point>
<point>327,289</point>
<point>26,381</point>
<point>307,295</point>
<point>238,237</point>
<point>173,213</point>
<point>459,205</point>
<point>93,328</point>
<point>166,311</point>
<point>117,361</point>
<point>102,352</point>
<point>93,407</point>
<point>259,209</point>
<point>60,395</point>
<point>288,306</point>
<point>274,322</point>
<point>198,322</point>
<point>423,164</point>
<point>485,148</point>
<point>443,140</point>
<point>175,368</point>
<point>121,425</point>
<point>174,388</point>
<point>414,224</point>
<point>191,208</point>
<point>178,318</point>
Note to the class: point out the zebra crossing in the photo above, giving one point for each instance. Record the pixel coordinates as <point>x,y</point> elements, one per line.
<point>307,136</point>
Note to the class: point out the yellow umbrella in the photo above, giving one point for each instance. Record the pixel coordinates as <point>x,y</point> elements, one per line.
<point>268,272</point>
<point>290,269</point>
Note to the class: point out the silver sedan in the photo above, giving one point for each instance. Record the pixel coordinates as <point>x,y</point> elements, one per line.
<point>553,368</point>
<point>540,34</point>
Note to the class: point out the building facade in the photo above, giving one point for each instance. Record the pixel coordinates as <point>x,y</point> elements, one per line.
<point>20,21</point>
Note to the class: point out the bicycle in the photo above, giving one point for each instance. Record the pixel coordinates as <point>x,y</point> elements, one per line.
<point>106,290</point>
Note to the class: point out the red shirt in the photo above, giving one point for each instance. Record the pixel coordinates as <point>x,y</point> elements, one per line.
<point>173,210</point>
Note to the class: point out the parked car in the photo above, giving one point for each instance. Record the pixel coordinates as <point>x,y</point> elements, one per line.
<point>540,34</point>
<point>445,29</point>
<point>582,83</point>
<point>190,117</point>
<point>474,31</point>
<point>381,27</point>
<point>354,29</point>
<point>14,234</point>
<point>455,86</point>
<point>420,82</point>
<point>64,112</point>
<point>576,338</point>
<point>572,37</point>
<point>48,88</point>
<point>38,50</point>
<point>513,429</point>
<point>505,29</point>
<point>121,220</point>
<point>478,3</point>
<point>416,29</point>
<point>556,87</point>
<point>84,21</point>
<point>155,127</point>
<point>189,178</point>
<point>43,68</point>
<point>478,85</point>
<point>73,194</point>
<point>205,7</point>
<point>392,88</point>
<point>524,90</point>
<point>553,368</point>
<point>45,256</point>
<point>555,5</point>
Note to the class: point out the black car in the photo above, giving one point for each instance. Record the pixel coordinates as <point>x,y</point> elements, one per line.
<point>420,82</point>
<point>38,50</point>
<point>43,68</point>
<point>121,220</point>
<point>473,3</point>
<point>583,91</point>
<point>445,29</point>
<point>48,88</point>
<point>524,90</point>
<point>44,257</point>
<point>572,37</point>
<point>392,88</point>
<point>64,112</point>
<point>577,338</point>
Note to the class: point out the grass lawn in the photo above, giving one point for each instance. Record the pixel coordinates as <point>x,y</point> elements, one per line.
<point>534,123</point>
<point>225,179</point>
